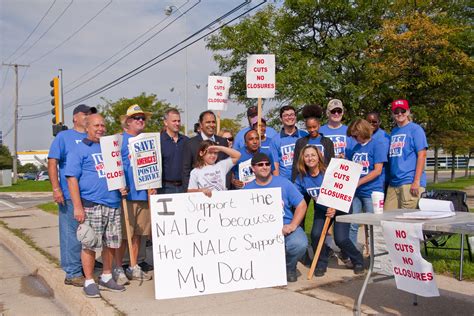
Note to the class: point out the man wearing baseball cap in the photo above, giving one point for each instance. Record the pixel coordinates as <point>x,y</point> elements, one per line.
<point>407,158</point>
<point>239,141</point>
<point>296,241</point>
<point>63,143</point>
<point>335,130</point>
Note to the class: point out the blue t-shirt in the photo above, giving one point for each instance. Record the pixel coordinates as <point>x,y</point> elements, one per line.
<point>384,141</point>
<point>62,144</point>
<point>367,156</point>
<point>316,142</point>
<point>290,195</point>
<point>342,143</point>
<point>85,163</point>
<point>265,146</point>
<point>133,194</point>
<point>309,185</point>
<point>283,149</point>
<point>239,141</point>
<point>405,143</point>
<point>246,156</point>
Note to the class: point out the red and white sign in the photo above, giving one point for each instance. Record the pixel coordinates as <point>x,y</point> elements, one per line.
<point>218,93</point>
<point>111,147</point>
<point>412,273</point>
<point>261,76</point>
<point>145,158</point>
<point>339,184</point>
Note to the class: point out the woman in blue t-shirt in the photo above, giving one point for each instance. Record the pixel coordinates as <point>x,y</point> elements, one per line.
<point>371,155</point>
<point>311,170</point>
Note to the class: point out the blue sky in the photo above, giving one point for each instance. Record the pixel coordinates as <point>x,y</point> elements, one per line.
<point>118,25</point>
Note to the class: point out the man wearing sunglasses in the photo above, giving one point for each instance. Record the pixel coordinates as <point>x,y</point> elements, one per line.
<point>335,130</point>
<point>296,241</point>
<point>407,158</point>
<point>133,123</point>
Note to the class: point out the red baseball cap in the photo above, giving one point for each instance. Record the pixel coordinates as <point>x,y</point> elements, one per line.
<point>403,104</point>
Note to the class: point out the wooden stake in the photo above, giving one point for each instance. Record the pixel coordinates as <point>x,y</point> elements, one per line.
<point>218,122</point>
<point>320,246</point>
<point>127,227</point>
<point>259,119</point>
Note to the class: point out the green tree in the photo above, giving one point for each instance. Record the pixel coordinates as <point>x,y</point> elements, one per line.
<point>6,160</point>
<point>231,125</point>
<point>112,110</point>
<point>27,168</point>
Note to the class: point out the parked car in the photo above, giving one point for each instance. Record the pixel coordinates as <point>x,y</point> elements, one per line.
<point>42,176</point>
<point>29,176</point>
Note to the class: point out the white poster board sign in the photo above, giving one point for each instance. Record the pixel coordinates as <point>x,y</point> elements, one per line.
<point>339,184</point>
<point>145,158</point>
<point>246,174</point>
<point>261,76</point>
<point>230,242</point>
<point>412,273</point>
<point>111,147</point>
<point>217,93</point>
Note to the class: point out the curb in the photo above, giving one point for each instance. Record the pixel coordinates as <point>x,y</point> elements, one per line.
<point>72,297</point>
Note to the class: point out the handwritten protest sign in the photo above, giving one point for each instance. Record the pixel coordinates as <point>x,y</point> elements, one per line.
<point>110,147</point>
<point>230,242</point>
<point>339,184</point>
<point>261,76</point>
<point>145,158</point>
<point>217,93</point>
<point>412,273</point>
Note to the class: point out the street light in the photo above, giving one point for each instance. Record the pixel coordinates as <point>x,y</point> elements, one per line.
<point>168,11</point>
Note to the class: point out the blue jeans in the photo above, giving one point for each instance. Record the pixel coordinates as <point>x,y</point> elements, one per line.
<point>69,246</point>
<point>295,248</point>
<point>341,238</point>
<point>359,204</point>
<point>169,188</point>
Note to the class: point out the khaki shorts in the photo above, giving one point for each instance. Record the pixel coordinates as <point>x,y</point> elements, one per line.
<point>139,219</point>
<point>401,198</point>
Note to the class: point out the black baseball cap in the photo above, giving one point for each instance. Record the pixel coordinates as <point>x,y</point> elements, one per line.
<point>82,108</point>
<point>259,157</point>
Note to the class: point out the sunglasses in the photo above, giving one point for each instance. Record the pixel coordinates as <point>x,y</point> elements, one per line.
<point>334,111</point>
<point>399,111</point>
<point>263,164</point>
<point>138,118</point>
<point>230,139</point>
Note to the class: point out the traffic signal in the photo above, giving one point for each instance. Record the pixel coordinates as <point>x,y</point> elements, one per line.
<point>55,100</point>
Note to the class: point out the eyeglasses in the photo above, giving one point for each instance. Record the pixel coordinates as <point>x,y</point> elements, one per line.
<point>288,115</point>
<point>334,111</point>
<point>230,139</point>
<point>138,118</point>
<point>262,164</point>
<point>399,111</point>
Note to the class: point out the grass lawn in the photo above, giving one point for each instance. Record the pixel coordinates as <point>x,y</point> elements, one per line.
<point>50,207</point>
<point>460,184</point>
<point>28,186</point>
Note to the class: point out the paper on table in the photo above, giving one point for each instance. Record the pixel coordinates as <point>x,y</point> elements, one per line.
<point>431,209</point>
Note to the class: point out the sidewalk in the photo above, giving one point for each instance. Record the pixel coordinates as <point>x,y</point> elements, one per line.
<point>333,294</point>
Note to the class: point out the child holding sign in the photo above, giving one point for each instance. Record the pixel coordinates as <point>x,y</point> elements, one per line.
<point>208,175</point>
<point>311,170</point>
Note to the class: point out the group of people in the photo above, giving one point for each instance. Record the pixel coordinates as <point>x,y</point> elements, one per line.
<point>91,219</point>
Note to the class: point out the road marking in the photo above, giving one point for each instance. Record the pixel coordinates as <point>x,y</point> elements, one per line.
<point>8,204</point>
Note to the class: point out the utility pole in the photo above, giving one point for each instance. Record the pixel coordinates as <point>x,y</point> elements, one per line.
<point>15,122</point>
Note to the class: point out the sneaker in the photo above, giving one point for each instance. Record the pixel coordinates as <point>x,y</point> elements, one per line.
<point>92,290</point>
<point>145,266</point>
<point>111,285</point>
<point>359,269</point>
<point>348,263</point>
<point>136,273</point>
<point>291,276</point>
<point>120,277</point>
<point>77,281</point>
<point>319,272</point>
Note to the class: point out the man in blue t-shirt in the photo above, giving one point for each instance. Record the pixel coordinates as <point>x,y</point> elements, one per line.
<point>296,241</point>
<point>239,141</point>
<point>282,146</point>
<point>69,246</point>
<point>407,157</point>
<point>335,130</point>
<point>95,207</point>
<point>139,217</point>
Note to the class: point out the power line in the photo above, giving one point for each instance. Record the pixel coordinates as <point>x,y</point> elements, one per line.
<point>72,35</point>
<point>4,79</point>
<point>49,28</point>
<point>44,100</point>
<point>137,70</point>
<point>34,29</point>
